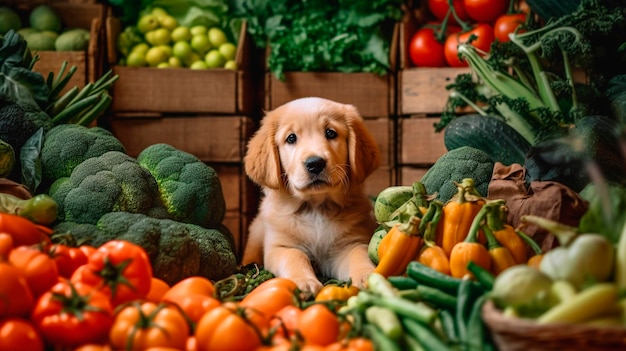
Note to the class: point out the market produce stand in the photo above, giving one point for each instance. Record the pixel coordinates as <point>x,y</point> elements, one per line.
<point>500,198</point>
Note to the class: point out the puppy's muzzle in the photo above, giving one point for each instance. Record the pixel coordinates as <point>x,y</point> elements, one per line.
<point>315,165</point>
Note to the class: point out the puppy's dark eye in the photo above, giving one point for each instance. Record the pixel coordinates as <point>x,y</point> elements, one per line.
<point>330,134</point>
<point>291,139</point>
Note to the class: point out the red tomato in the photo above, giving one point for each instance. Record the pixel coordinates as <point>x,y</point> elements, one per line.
<point>485,10</point>
<point>507,24</point>
<point>119,268</point>
<point>6,245</point>
<point>17,334</point>
<point>318,325</point>
<point>17,299</point>
<point>23,231</point>
<point>72,315</point>
<point>67,258</point>
<point>439,9</point>
<point>37,267</point>
<point>223,328</point>
<point>425,50</point>
<point>286,321</point>
<point>140,326</point>
<point>485,37</point>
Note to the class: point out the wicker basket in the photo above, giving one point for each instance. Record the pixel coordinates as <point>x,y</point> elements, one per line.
<point>511,334</point>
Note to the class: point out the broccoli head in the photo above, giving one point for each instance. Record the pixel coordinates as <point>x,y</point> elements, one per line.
<point>111,182</point>
<point>67,145</point>
<point>456,165</point>
<point>217,256</point>
<point>173,252</point>
<point>189,188</point>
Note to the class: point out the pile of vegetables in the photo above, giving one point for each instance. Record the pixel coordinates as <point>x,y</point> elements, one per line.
<point>32,104</point>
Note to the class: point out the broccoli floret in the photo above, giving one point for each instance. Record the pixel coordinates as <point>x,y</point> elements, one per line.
<point>67,145</point>
<point>173,252</point>
<point>217,256</point>
<point>76,234</point>
<point>189,188</point>
<point>454,166</point>
<point>111,182</point>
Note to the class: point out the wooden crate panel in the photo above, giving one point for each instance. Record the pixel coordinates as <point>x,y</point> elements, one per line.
<point>373,95</point>
<point>383,130</point>
<point>407,175</point>
<point>210,138</point>
<point>418,143</point>
<point>240,193</point>
<point>382,178</point>
<point>423,90</point>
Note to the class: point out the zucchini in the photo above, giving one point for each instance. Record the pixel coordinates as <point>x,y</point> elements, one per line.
<point>389,199</point>
<point>492,135</point>
<point>372,248</point>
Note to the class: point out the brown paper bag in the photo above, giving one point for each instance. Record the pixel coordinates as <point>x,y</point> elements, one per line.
<point>547,199</point>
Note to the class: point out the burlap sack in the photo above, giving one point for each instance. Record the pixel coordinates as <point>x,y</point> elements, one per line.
<point>547,199</point>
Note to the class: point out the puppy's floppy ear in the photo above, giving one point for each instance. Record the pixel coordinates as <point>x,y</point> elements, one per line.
<point>363,150</point>
<point>262,162</point>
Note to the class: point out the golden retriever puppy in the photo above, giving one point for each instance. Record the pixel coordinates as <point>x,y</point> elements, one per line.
<point>311,157</point>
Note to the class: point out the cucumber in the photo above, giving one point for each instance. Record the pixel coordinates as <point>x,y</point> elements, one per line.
<point>490,134</point>
<point>389,199</point>
<point>372,248</point>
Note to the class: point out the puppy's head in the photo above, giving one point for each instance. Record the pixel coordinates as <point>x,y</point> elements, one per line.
<point>310,146</point>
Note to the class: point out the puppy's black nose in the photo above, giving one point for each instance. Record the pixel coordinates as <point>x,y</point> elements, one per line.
<point>315,164</point>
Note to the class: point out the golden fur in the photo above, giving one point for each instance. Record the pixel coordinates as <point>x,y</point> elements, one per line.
<point>315,222</point>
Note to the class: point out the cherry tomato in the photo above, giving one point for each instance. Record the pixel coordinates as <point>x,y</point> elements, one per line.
<point>318,325</point>
<point>507,24</point>
<point>17,334</point>
<point>223,328</point>
<point>119,268</point>
<point>336,292</point>
<point>72,315</point>
<point>484,34</point>
<point>439,9</point>
<point>17,299</point>
<point>485,10</point>
<point>38,268</point>
<point>139,326</point>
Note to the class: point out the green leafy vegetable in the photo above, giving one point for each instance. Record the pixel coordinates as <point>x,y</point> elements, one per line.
<point>320,35</point>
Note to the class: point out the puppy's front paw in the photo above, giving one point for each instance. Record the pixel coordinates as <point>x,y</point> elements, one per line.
<point>308,286</point>
<point>359,279</point>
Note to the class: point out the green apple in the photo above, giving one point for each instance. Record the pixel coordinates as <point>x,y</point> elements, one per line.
<point>181,33</point>
<point>159,36</point>
<point>182,50</point>
<point>165,64</point>
<point>175,62</point>
<point>136,59</point>
<point>217,37</point>
<point>214,59</point>
<point>192,58</point>
<point>158,12</point>
<point>168,22</point>
<point>231,64</point>
<point>141,48</point>
<point>228,50</point>
<point>198,30</point>
<point>199,65</point>
<point>200,43</point>
<point>147,23</point>
<point>156,55</point>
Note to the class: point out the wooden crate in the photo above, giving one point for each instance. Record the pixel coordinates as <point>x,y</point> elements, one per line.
<point>407,174</point>
<point>182,90</point>
<point>86,15</point>
<point>418,143</point>
<point>421,90</point>
<point>211,138</point>
<point>373,95</point>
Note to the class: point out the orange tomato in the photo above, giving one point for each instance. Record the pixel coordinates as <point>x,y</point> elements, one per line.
<point>23,231</point>
<point>158,288</point>
<point>38,268</point>
<point>190,285</point>
<point>267,299</point>
<point>6,245</point>
<point>17,299</point>
<point>17,334</point>
<point>224,328</point>
<point>318,325</point>
<point>139,326</point>
<point>352,344</point>
<point>196,305</point>
<point>286,321</point>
